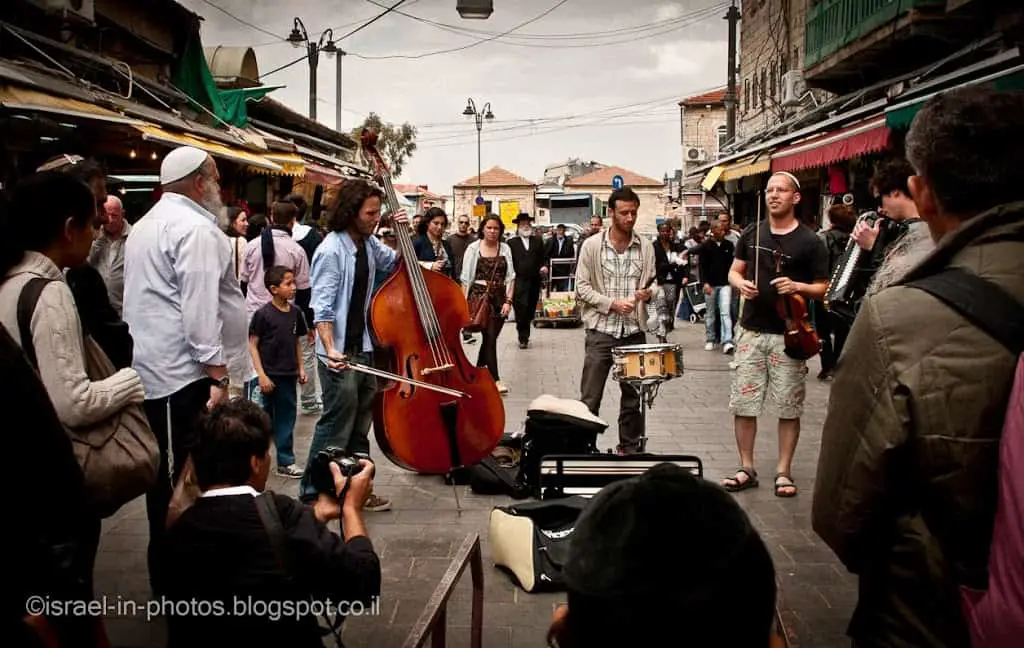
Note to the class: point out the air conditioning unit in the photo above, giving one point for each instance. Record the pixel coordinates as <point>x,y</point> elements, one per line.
<point>695,154</point>
<point>793,88</point>
<point>70,10</point>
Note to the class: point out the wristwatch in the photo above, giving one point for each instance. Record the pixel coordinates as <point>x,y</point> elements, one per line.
<point>223,383</point>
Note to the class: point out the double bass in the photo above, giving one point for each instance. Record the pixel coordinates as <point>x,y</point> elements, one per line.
<point>418,315</point>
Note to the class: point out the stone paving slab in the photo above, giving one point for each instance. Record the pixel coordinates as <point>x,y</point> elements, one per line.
<point>418,537</point>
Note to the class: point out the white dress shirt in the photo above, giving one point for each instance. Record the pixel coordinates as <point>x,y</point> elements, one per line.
<point>181,298</point>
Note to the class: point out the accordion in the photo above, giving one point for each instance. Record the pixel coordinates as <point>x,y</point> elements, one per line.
<point>852,275</point>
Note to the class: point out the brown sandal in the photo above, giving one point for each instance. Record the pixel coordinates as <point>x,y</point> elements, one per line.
<point>788,483</point>
<point>737,485</point>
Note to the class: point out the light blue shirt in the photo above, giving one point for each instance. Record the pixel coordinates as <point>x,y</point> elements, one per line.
<point>182,301</point>
<point>332,276</point>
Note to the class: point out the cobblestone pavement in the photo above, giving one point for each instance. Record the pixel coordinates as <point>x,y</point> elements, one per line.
<point>418,537</point>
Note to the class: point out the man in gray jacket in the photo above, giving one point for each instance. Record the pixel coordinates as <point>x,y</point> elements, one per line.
<point>612,285</point>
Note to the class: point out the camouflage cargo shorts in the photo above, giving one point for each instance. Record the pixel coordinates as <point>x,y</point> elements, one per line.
<point>763,372</point>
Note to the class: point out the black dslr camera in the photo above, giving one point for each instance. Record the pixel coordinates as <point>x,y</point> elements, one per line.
<point>320,475</point>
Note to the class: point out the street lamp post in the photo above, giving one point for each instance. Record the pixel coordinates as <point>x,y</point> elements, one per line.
<point>479,116</point>
<point>326,44</point>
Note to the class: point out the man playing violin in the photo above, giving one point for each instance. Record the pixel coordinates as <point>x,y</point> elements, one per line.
<point>342,276</point>
<point>763,368</point>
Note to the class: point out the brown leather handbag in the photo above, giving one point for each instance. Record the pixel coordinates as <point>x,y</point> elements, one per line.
<point>480,305</point>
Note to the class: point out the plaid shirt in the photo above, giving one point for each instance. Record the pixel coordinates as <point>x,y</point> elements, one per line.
<point>622,274</point>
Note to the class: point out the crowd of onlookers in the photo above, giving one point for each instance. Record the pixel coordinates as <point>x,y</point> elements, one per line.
<point>909,474</point>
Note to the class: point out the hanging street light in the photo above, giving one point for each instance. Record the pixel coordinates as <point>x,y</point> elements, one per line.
<point>475,9</point>
<point>479,117</point>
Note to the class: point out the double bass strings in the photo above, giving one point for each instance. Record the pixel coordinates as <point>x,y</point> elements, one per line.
<point>428,316</point>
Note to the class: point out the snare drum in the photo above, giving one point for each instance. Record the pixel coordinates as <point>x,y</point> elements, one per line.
<point>647,362</point>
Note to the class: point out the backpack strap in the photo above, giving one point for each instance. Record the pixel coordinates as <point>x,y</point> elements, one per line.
<point>983,302</point>
<point>27,301</point>
<point>271,519</point>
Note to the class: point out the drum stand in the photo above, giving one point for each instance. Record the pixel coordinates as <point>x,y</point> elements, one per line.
<point>647,390</point>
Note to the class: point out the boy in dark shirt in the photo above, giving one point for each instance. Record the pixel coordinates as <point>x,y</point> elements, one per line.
<point>275,342</point>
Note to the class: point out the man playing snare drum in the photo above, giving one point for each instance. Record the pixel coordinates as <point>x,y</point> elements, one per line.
<point>614,266</point>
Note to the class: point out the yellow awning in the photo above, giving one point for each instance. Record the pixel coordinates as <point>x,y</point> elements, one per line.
<point>746,167</point>
<point>18,98</point>
<point>291,164</point>
<point>156,134</point>
<point>711,178</point>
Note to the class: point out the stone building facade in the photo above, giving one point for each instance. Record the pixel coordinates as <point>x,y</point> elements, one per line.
<point>504,193</point>
<point>703,133</point>
<point>599,185</point>
<point>772,34</point>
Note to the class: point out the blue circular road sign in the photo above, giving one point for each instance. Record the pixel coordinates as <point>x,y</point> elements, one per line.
<point>479,200</point>
<point>618,182</point>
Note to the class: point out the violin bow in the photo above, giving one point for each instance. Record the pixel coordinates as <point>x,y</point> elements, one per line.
<point>387,374</point>
<point>757,239</point>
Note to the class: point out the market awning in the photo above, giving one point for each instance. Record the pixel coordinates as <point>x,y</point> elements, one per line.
<point>156,134</point>
<point>746,167</point>
<point>322,175</point>
<point>712,178</point>
<point>902,115</point>
<point>291,164</point>
<point>24,99</point>
<point>866,136</point>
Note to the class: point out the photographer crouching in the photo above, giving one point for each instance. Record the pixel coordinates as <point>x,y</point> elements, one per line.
<point>259,567</point>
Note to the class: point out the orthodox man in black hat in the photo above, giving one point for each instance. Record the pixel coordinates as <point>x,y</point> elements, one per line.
<point>528,258</point>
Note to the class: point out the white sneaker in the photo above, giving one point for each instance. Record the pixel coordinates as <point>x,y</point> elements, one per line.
<point>292,471</point>
<point>502,389</point>
<point>728,349</point>
<point>710,346</point>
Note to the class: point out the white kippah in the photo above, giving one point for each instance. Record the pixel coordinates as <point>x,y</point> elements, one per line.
<point>181,162</point>
<point>796,183</point>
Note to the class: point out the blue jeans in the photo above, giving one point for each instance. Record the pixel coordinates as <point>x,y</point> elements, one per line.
<point>348,398</point>
<point>719,313</point>
<point>280,406</point>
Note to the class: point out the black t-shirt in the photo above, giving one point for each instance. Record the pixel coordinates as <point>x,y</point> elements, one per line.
<point>805,260</point>
<point>277,332</point>
<point>356,324</point>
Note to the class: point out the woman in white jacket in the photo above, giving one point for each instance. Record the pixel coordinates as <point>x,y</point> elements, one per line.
<point>490,259</point>
<point>53,218</point>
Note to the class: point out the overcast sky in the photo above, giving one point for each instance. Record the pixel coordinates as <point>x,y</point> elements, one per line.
<point>594,79</point>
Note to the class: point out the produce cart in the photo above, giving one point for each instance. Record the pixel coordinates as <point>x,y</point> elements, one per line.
<point>559,307</point>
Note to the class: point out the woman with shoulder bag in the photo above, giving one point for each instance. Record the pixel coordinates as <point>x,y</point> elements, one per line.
<point>488,277</point>
<point>93,401</point>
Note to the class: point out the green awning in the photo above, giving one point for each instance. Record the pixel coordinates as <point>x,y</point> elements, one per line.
<point>902,115</point>
<point>192,76</point>
<point>233,103</point>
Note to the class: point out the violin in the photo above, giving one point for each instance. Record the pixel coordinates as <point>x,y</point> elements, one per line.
<point>802,341</point>
<point>442,412</point>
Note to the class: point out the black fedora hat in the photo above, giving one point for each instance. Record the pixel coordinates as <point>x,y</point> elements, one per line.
<point>523,216</point>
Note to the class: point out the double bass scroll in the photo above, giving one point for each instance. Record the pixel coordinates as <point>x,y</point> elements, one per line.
<point>418,316</point>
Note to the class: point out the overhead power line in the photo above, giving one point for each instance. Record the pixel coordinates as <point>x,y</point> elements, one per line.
<point>242,21</point>
<point>469,45</point>
<point>507,38</point>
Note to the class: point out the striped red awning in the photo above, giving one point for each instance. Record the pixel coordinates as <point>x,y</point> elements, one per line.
<point>321,175</point>
<point>868,136</point>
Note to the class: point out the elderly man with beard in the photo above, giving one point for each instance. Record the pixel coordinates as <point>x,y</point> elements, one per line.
<point>187,314</point>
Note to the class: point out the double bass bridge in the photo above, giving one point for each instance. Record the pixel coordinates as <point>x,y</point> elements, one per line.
<point>434,370</point>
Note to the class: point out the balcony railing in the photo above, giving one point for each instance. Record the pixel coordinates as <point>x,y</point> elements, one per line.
<point>834,24</point>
